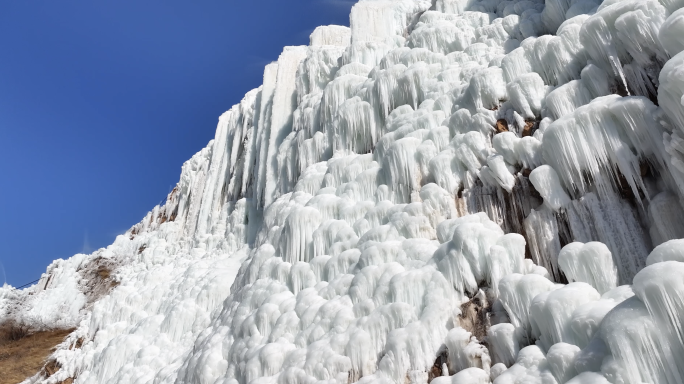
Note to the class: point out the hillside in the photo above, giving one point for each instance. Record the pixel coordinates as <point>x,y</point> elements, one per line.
<point>453,191</point>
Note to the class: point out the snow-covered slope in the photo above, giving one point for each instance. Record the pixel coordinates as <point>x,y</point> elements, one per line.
<point>455,192</point>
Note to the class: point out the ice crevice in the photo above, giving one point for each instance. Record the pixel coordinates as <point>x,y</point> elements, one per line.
<point>454,191</point>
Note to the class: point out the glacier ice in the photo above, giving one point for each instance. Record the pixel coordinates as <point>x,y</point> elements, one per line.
<point>455,191</point>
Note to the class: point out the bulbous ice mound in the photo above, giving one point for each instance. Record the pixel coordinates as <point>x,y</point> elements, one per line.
<point>452,191</point>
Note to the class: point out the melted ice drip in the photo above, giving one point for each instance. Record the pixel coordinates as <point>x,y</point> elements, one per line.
<point>451,192</point>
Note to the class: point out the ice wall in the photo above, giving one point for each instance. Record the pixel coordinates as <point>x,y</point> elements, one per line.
<point>458,191</point>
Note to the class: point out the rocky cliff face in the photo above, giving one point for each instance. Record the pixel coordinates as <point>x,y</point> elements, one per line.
<point>457,191</point>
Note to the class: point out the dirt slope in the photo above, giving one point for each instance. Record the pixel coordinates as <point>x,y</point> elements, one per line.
<point>22,354</point>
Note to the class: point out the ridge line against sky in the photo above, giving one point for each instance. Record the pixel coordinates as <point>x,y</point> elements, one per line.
<point>101,103</point>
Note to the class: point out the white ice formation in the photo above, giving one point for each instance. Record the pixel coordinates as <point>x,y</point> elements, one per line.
<point>455,191</point>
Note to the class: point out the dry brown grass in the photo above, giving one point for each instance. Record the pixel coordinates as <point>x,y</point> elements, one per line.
<point>23,354</point>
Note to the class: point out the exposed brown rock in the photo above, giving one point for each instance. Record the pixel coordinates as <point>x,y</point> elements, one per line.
<point>527,130</point>
<point>78,344</point>
<point>436,369</point>
<point>501,126</point>
<point>51,367</point>
<point>99,278</point>
<point>473,316</point>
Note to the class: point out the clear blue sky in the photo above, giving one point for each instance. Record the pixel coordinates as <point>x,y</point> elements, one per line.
<point>102,101</point>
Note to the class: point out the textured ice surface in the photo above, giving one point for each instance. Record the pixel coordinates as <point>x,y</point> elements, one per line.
<point>453,192</point>
<point>591,263</point>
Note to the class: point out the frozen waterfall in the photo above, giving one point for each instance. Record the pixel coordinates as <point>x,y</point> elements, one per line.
<point>454,191</point>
